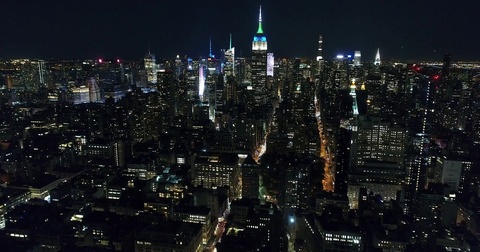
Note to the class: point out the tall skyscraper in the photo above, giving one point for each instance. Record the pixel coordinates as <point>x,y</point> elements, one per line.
<point>270,64</point>
<point>259,64</point>
<point>41,72</point>
<point>229,68</point>
<point>377,58</point>
<point>250,178</point>
<point>357,58</point>
<point>94,90</point>
<point>320,52</point>
<point>150,68</point>
<point>201,81</point>
<point>353,93</point>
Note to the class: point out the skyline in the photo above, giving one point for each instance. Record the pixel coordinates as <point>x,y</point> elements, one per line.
<point>410,30</point>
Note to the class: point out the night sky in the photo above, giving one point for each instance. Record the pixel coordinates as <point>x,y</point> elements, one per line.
<point>403,29</point>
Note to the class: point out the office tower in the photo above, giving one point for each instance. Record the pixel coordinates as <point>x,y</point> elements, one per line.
<point>453,172</point>
<point>94,90</point>
<point>320,61</point>
<point>201,81</point>
<point>178,66</point>
<point>353,94</point>
<point>270,64</point>
<point>357,58</point>
<point>116,91</point>
<point>297,184</point>
<point>320,52</point>
<point>150,68</point>
<point>377,139</point>
<point>259,64</point>
<point>41,73</point>
<point>217,170</point>
<point>81,95</point>
<point>378,178</point>
<point>340,78</point>
<point>377,58</point>
<point>113,151</point>
<point>250,178</point>
<point>31,74</point>
<point>229,68</point>
<point>229,74</point>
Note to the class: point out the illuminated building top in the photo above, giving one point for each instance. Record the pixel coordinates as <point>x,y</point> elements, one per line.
<point>259,40</point>
<point>377,58</point>
<point>260,29</point>
<point>320,53</point>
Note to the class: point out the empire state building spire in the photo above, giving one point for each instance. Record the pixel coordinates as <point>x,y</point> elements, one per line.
<point>260,29</point>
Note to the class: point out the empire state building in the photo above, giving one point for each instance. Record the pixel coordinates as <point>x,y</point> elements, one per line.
<point>259,64</point>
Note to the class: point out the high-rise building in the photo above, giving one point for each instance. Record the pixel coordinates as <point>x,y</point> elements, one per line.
<point>229,68</point>
<point>259,64</point>
<point>229,75</point>
<point>94,90</point>
<point>320,54</point>
<point>357,58</point>
<point>377,58</point>
<point>81,95</point>
<point>378,140</point>
<point>150,68</point>
<point>270,64</point>
<point>353,93</point>
<point>320,50</point>
<point>216,170</point>
<point>201,81</point>
<point>250,179</point>
<point>453,172</point>
<point>41,72</point>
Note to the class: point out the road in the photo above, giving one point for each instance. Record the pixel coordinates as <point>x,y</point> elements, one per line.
<point>329,169</point>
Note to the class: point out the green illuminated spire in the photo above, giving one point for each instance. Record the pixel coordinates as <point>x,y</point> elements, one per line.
<point>260,30</point>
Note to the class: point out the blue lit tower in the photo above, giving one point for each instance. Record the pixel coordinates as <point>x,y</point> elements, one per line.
<point>259,64</point>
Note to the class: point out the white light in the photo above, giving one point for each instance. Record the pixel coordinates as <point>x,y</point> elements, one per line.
<point>201,80</point>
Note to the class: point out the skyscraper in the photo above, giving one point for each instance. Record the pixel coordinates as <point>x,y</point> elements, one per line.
<point>150,68</point>
<point>229,68</point>
<point>353,93</point>
<point>377,58</point>
<point>259,64</point>
<point>357,58</point>
<point>320,52</point>
<point>270,64</point>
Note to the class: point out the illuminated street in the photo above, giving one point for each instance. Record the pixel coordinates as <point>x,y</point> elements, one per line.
<point>260,150</point>
<point>329,169</point>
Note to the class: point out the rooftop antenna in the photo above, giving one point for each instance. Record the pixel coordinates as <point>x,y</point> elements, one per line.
<point>210,47</point>
<point>149,48</point>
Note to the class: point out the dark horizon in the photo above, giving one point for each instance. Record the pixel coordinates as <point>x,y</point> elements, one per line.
<point>406,30</point>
